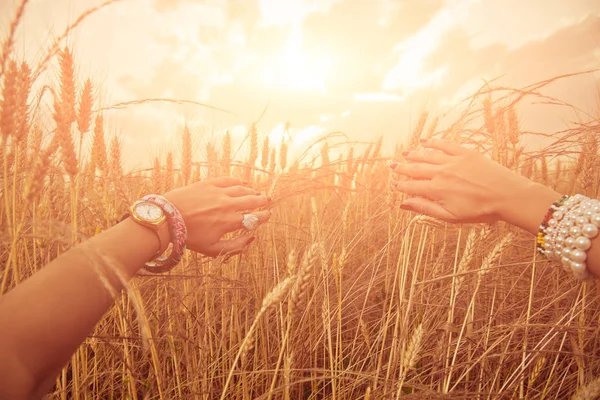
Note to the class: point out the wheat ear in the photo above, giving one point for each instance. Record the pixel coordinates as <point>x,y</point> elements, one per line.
<point>272,298</point>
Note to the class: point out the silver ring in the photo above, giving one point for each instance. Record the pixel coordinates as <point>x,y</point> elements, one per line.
<point>250,222</point>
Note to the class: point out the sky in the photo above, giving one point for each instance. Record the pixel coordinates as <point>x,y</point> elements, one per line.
<point>362,67</point>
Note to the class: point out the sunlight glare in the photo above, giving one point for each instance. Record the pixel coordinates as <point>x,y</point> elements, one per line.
<point>288,12</point>
<point>296,69</point>
<point>295,137</point>
<point>372,97</point>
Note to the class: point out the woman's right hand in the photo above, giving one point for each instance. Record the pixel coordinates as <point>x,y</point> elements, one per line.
<point>212,208</point>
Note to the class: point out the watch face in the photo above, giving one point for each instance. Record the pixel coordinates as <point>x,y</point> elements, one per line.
<point>148,211</point>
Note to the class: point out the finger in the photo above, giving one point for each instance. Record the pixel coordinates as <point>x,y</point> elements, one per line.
<point>417,170</point>
<point>239,191</point>
<point>263,216</point>
<point>448,147</point>
<point>225,181</point>
<point>430,157</point>
<point>229,246</point>
<point>249,202</point>
<point>417,188</point>
<point>427,207</point>
<point>235,222</point>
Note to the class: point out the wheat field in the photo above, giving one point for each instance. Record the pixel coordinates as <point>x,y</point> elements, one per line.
<point>342,296</point>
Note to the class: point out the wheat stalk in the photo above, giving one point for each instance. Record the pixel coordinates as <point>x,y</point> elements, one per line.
<point>186,154</point>
<point>168,177</point>
<point>493,256</point>
<point>273,162</point>
<point>427,220</point>
<point>272,298</point>
<point>9,101</point>
<point>537,369</point>
<point>8,42</point>
<point>413,348</point>
<point>514,132</point>
<point>116,164</point>
<point>299,291</point>
<point>465,260</point>
<point>84,114</point>
<point>283,153</point>
<point>418,131</point>
<point>410,355</point>
<point>99,158</point>
<point>226,153</point>
<point>22,106</point>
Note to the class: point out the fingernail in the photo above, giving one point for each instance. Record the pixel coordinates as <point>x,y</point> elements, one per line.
<point>393,165</point>
<point>250,240</point>
<point>245,182</point>
<point>423,140</point>
<point>405,153</point>
<point>406,207</point>
<point>269,198</point>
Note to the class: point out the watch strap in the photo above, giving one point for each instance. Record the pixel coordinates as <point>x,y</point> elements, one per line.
<point>160,244</point>
<point>178,233</point>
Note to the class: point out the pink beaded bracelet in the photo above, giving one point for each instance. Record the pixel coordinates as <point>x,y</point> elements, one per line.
<point>178,234</point>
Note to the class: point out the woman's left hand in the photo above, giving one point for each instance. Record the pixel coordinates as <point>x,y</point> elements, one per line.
<point>456,184</point>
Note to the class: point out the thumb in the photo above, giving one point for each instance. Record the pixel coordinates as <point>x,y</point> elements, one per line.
<point>230,246</point>
<point>427,207</point>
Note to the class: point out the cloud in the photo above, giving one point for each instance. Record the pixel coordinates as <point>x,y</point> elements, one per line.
<point>362,37</point>
<point>514,23</point>
<point>351,57</point>
<point>408,74</point>
<point>567,50</point>
<point>221,61</point>
<point>172,5</point>
<point>378,96</point>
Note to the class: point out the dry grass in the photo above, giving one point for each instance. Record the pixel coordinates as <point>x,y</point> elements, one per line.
<point>381,303</point>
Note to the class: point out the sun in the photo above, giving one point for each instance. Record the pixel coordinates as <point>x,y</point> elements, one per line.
<point>296,68</point>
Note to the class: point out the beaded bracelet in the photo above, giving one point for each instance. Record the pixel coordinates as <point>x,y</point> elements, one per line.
<point>567,230</point>
<point>178,233</point>
<point>541,236</point>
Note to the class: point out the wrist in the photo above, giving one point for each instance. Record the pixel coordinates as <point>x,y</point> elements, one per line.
<point>526,204</point>
<point>142,244</point>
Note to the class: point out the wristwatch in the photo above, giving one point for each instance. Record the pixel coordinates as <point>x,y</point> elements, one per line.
<point>150,215</point>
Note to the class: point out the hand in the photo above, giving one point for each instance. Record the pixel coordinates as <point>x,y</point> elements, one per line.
<point>456,184</point>
<point>213,208</point>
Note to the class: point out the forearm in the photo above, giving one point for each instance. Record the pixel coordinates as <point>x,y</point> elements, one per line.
<point>526,208</point>
<point>48,316</point>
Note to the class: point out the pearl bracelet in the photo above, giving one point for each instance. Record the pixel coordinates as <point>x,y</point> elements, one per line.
<point>566,236</point>
<point>559,226</point>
